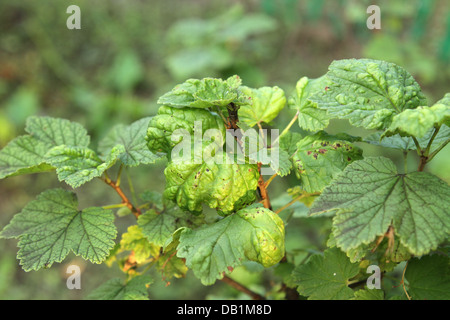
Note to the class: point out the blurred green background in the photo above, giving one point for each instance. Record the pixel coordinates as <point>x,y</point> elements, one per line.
<point>128,53</point>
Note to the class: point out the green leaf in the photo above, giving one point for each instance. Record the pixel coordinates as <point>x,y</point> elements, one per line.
<point>369,294</point>
<point>23,155</point>
<point>320,158</point>
<point>169,119</point>
<point>417,122</point>
<point>132,138</point>
<point>310,117</point>
<point>370,195</point>
<point>267,102</point>
<point>205,93</point>
<point>445,100</point>
<point>135,241</point>
<point>406,143</point>
<point>78,165</point>
<point>326,277</point>
<point>115,289</point>
<point>51,226</point>
<point>429,278</point>
<point>254,233</point>
<point>159,227</point>
<point>226,187</point>
<point>26,154</point>
<point>369,93</point>
<point>56,132</point>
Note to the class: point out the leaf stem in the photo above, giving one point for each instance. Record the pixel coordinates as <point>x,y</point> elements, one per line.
<point>403,281</point>
<point>221,115</point>
<point>286,130</point>
<point>241,288</point>
<point>418,148</point>
<point>427,150</point>
<point>296,199</point>
<point>431,156</point>
<point>119,175</point>
<point>270,180</point>
<point>114,206</point>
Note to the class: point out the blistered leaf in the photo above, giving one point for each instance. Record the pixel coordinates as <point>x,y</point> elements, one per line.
<point>429,278</point>
<point>205,93</point>
<point>132,138</point>
<point>116,289</point>
<point>160,137</point>
<point>310,117</point>
<point>135,241</point>
<point>326,277</point>
<point>255,234</point>
<point>368,92</point>
<point>321,157</point>
<point>417,122</point>
<point>51,226</point>
<point>226,187</point>
<point>267,102</point>
<point>78,165</point>
<point>370,195</point>
<point>406,143</point>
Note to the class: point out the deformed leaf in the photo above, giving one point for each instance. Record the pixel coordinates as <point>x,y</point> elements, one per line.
<point>51,226</point>
<point>205,93</point>
<point>370,195</point>
<point>406,143</point>
<point>134,240</point>
<point>160,137</point>
<point>369,93</point>
<point>267,102</point>
<point>227,187</point>
<point>255,234</point>
<point>326,277</point>
<point>310,117</point>
<point>321,157</point>
<point>417,122</point>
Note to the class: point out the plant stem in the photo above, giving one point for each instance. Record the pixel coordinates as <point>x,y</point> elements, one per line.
<point>263,190</point>
<point>126,202</point>
<point>241,288</point>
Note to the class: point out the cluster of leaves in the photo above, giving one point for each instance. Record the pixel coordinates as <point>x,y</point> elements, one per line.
<point>379,216</point>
